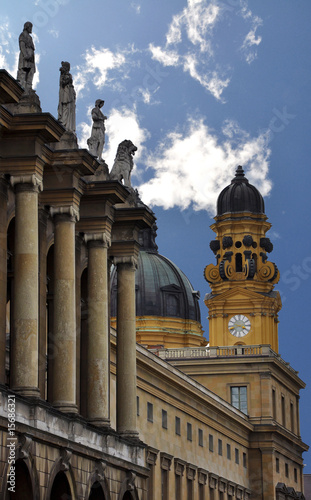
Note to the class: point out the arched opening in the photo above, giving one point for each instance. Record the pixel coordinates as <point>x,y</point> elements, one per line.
<point>238,262</point>
<point>60,489</point>
<point>97,492</point>
<point>127,496</point>
<point>23,485</point>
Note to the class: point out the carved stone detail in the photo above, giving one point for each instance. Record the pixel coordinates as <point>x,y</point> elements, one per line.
<point>32,179</point>
<point>70,210</point>
<point>24,445</point>
<point>98,237</point>
<point>131,478</point>
<point>65,457</point>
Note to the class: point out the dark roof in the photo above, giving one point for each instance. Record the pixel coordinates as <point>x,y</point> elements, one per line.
<point>240,196</point>
<point>162,289</point>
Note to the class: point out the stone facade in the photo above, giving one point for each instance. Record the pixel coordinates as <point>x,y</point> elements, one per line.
<point>85,412</point>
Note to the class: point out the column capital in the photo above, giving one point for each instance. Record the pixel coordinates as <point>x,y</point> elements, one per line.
<point>69,211</point>
<point>130,261</point>
<point>33,180</point>
<point>101,239</point>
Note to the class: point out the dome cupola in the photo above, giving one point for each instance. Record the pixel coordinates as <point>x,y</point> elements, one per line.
<point>240,196</point>
<point>167,306</point>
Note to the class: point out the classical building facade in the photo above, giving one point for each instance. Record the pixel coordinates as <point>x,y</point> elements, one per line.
<point>85,411</point>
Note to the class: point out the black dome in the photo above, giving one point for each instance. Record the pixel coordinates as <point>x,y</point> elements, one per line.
<point>162,289</point>
<point>240,196</point>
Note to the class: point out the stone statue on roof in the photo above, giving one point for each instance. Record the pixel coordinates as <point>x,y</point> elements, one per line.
<point>97,140</point>
<point>26,62</point>
<point>123,163</point>
<point>67,98</point>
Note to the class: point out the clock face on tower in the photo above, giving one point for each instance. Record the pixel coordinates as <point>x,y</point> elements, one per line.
<point>239,325</point>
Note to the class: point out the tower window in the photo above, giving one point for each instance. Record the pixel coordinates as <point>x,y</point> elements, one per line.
<point>237,458</point>
<point>200,437</point>
<point>283,409</point>
<point>189,432</point>
<point>164,419</point>
<point>239,398</point>
<point>277,465</point>
<point>238,262</point>
<point>177,426</point>
<point>238,244</point>
<point>137,405</point>
<point>210,443</point>
<point>219,447</point>
<point>150,412</point>
<point>228,452</point>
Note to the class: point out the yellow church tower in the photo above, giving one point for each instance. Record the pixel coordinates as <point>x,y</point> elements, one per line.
<point>243,307</point>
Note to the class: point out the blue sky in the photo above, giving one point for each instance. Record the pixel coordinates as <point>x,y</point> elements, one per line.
<point>200,87</point>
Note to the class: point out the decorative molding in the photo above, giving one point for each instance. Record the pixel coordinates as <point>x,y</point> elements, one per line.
<point>24,445</point>
<point>202,476</point>
<point>129,260</point>
<point>213,481</point>
<point>179,466</point>
<point>69,210</point>
<point>191,472</point>
<point>222,485</point>
<point>151,455</point>
<point>32,179</point>
<point>101,238</point>
<point>165,461</point>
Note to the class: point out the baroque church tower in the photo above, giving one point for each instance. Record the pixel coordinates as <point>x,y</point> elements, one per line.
<point>243,307</point>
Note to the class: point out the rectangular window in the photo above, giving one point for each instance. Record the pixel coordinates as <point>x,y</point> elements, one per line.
<point>164,419</point>
<point>228,452</point>
<point>277,464</point>
<point>150,412</point>
<point>177,426</point>
<point>239,398</point>
<point>286,470</point>
<point>177,487</point>
<point>292,416</point>
<point>189,431</point>
<point>283,410</point>
<point>295,475</point>
<point>200,437</point>
<point>273,404</point>
<point>237,458</point>
<point>164,484</point>
<point>189,489</point>
<point>210,443</point>
<point>137,405</point>
<point>244,460</point>
<point>219,447</point>
<point>201,492</point>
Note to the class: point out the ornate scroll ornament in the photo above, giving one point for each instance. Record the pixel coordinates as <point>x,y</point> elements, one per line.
<point>69,210</point>
<point>24,445</point>
<point>100,470</point>
<point>226,270</point>
<point>65,457</point>
<point>250,268</point>
<point>211,273</point>
<point>268,272</point>
<point>32,179</point>
<point>130,480</point>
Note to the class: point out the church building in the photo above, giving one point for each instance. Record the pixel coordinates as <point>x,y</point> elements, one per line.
<point>108,388</point>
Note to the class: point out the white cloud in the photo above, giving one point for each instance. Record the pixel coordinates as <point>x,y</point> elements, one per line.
<point>191,168</point>
<point>98,66</point>
<point>121,124</point>
<point>136,7</point>
<point>54,33</point>
<point>190,42</point>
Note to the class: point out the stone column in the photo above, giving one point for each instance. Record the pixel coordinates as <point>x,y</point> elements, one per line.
<point>24,356</point>
<point>98,341</point>
<point>3,274</point>
<point>126,346</point>
<point>64,334</point>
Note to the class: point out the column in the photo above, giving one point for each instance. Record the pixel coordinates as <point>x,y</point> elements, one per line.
<point>126,346</point>
<point>24,356</point>
<point>98,341</point>
<point>64,334</point>
<point>3,274</point>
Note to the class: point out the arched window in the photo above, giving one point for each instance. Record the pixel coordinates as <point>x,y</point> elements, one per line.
<point>23,486</point>
<point>97,492</point>
<point>127,496</point>
<point>60,488</point>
